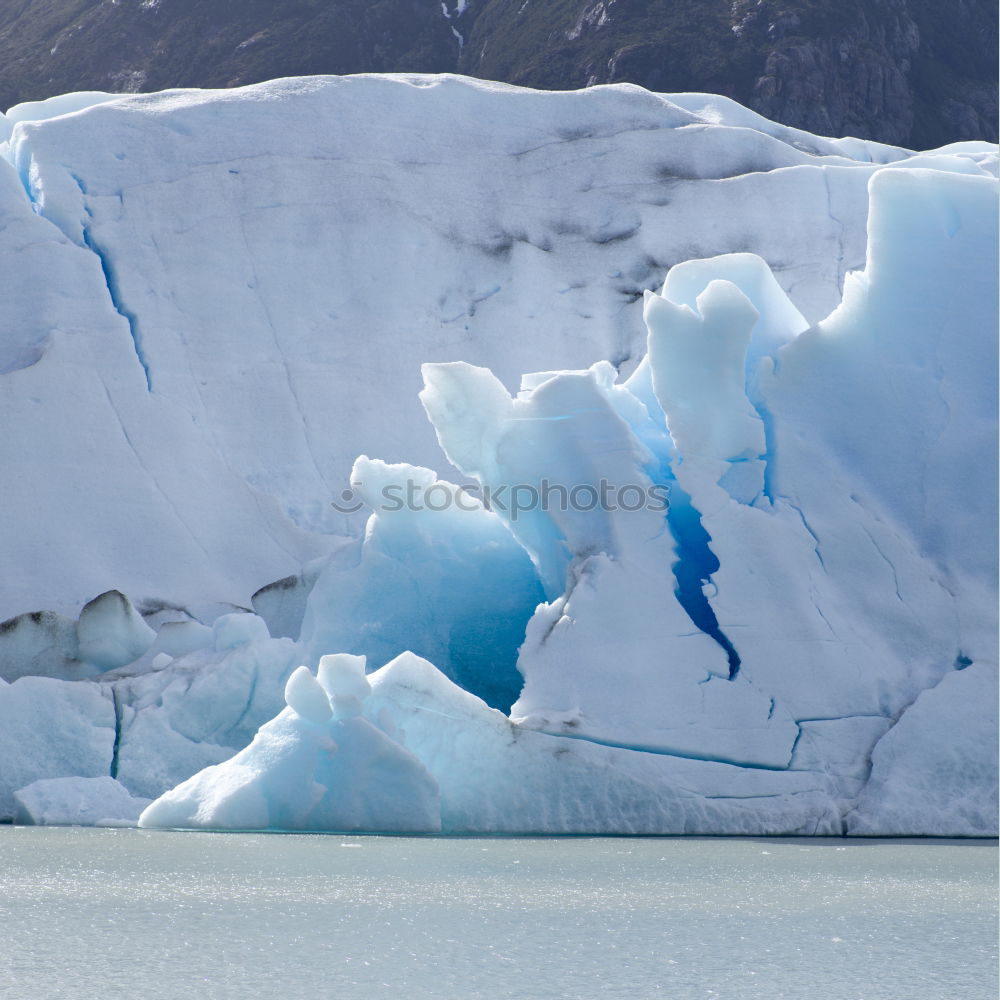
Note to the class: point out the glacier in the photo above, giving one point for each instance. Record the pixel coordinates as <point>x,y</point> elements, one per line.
<point>778,350</point>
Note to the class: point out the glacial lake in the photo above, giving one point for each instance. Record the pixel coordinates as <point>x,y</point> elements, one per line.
<point>134,914</point>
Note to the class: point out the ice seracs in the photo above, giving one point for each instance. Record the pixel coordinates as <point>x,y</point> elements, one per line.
<point>305,695</point>
<point>697,361</point>
<point>794,680</point>
<point>111,633</point>
<point>607,562</point>
<point>460,587</point>
<point>342,677</point>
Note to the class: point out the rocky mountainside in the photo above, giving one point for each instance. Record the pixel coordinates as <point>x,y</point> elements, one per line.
<point>911,72</point>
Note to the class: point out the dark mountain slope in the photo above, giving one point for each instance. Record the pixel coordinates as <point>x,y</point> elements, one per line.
<point>912,72</point>
<point>52,46</point>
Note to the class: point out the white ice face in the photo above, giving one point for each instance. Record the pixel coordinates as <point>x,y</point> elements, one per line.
<point>787,669</point>
<point>214,302</point>
<point>52,729</point>
<point>216,340</point>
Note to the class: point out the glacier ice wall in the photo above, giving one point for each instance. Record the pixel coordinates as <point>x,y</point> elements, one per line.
<point>216,305</point>
<point>635,715</point>
<point>217,300</point>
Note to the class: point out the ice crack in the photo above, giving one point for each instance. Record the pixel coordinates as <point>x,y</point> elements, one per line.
<point>113,286</point>
<point>119,726</point>
<point>145,468</point>
<point>840,230</point>
<point>663,751</point>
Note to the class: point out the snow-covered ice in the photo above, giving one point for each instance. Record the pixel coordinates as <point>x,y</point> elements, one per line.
<point>245,299</point>
<point>783,622</point>
<point>935,773</point>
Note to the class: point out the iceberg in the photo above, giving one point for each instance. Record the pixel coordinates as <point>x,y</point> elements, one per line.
<point>318,766</point>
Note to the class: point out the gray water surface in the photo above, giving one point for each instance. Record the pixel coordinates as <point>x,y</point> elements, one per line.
<point>143,914</point>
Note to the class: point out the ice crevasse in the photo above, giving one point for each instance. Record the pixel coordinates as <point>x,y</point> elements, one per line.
<point>803,641</point>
